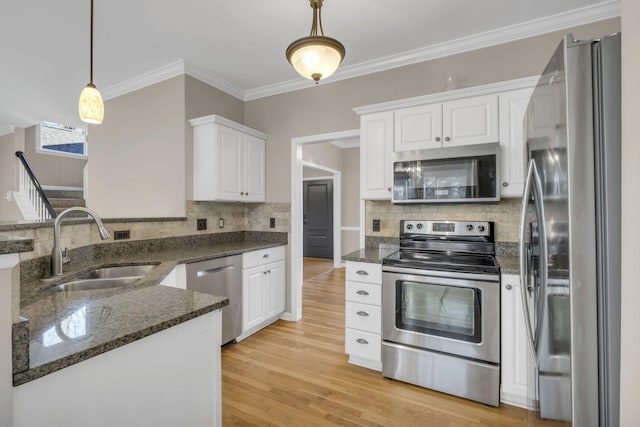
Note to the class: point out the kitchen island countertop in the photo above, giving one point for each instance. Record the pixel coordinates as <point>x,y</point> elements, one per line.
<point>65,328</point>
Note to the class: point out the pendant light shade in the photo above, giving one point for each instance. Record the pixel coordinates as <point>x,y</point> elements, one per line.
<point>315,57</point>
<point>90,105</point>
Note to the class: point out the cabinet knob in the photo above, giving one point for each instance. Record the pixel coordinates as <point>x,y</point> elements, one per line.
<point>362,341</point>
<point>388,188</point>
<point>242,193</point>
<point>447,138</point>
<point>437,138</point>
<point>509,287</point>
<point>505,184</point>
<point>365,293</point>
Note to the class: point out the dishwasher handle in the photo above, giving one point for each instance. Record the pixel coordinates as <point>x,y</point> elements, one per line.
<point>202,273</point>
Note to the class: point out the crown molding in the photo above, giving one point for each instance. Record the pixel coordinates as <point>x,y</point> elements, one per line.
<point>215,81</point>
<point>586,15</point>
<point>6,130</point>
<point>157,75</point>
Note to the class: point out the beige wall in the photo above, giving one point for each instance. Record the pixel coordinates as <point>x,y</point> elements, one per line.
<point>329,107</point>
<point>52,169</point>
<point>203,100</point>
<point>351,187</point>
<point>137,165</point>
<point>9,144</point>
<point>323,154</point>
<point>309,172</point>
<point>630,370</point>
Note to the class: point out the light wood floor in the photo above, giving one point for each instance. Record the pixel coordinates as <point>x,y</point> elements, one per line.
<point>297,374</point>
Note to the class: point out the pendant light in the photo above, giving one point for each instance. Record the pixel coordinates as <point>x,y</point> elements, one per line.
<point>315,57</point>
<point>90,105</point>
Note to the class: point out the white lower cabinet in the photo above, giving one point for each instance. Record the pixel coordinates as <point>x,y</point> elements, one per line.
<point>263,288</point>
<point>363,314</point>
<point>517,386</point>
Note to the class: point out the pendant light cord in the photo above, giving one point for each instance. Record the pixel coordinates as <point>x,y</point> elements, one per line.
<point>91,48</point>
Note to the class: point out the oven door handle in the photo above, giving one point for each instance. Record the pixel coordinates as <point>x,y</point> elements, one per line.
<point>533,183</point>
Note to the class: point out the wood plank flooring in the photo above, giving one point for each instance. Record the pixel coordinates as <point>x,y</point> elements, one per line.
<point>297,374</point>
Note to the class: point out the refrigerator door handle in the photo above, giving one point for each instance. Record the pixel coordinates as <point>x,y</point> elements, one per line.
<point>533,183</point>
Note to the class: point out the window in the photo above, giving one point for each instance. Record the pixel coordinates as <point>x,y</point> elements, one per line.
<point>61,140</point>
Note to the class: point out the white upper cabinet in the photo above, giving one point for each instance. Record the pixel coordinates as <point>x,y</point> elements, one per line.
<point>460,122</point>
<point>376,155</point>
<point>470,121</point>
<point>228,161</point>
<point>417,128</point>
<point>513,108</point>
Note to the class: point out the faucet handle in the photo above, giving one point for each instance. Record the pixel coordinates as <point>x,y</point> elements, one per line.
<point>65,256</point>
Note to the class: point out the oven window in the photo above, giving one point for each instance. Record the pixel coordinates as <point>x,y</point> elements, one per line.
<point>446,311</point>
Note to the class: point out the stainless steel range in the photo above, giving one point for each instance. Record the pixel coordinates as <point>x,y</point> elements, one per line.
<point>441,309</point>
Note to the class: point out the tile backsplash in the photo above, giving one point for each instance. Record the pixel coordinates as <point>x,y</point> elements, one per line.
<point>505,215</point>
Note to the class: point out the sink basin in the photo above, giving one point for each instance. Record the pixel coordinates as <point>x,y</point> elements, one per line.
<point>118,271</point>
<point>96,284</point>
<point>106,278</point>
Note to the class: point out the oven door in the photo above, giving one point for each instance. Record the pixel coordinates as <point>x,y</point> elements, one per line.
<point>454,315</point>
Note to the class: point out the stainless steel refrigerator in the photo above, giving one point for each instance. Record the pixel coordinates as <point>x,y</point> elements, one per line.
<point>570,234</point>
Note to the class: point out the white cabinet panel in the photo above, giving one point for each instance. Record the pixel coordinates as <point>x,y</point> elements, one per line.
<point>513,109</point>
<point>376,149</point>
<point>516,362</point>
<point>417,128</point>
<point>363,314</point>
<point>470,120</point>
<point>263,288</point>
<point>228,161</point>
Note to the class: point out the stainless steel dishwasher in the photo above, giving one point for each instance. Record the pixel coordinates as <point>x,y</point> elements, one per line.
<point>222,277</point>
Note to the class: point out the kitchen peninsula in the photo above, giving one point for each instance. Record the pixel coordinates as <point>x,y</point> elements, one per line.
<point>77,350</point>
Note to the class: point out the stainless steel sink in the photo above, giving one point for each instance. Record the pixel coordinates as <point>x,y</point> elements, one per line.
<point>96,284</point>
<point>106,278</point>
<point>118,271</point>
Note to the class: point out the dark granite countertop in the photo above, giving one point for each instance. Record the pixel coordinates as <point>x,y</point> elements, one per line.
<point>65,328</point>
<point>13,245</point>
<point>509,264</point>
<point>372,255</point>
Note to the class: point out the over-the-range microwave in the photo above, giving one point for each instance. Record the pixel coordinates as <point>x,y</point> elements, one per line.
<point>461,174</point>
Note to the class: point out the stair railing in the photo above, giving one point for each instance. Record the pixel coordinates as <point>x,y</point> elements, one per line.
<point>30,189</point>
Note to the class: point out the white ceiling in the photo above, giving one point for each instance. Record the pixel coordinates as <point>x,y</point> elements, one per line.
<point>239,46</point>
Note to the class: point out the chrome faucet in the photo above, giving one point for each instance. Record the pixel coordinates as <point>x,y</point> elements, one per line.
<point>57,259</point>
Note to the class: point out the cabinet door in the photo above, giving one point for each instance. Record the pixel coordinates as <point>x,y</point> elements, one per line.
<point>229,164</point>
<point>417,128</point>
<point>253,297</point>
<point>376,148</point>
<point>254,171</point>
<point>470,120</point>
<point>513,108</point>
<point>516,363</point>
<point>275,289</point>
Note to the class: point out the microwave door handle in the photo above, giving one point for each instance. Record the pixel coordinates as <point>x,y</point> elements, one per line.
<point>543,259</point>
<point>524,254</point>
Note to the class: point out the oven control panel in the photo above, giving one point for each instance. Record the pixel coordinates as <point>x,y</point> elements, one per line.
<point>447,228</point>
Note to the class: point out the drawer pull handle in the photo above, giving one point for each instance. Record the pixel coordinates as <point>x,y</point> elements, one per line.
<point>362,313</point>
<point>265,256</point>
<point>362,341</point>
<point>509,287</point>
<point>362,273</point>
<point>362,293</point>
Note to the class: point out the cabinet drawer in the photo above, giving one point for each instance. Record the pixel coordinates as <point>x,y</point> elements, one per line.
<point>365,293</point>
<point>364,272</point>
<point>362,344</point>
<point>262,257</point>
<point>364,317</point>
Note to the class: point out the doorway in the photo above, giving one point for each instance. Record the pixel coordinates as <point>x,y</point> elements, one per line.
<point>317,218</point>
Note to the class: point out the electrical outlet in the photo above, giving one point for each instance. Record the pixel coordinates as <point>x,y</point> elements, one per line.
<point>121,234</point>
<point>201,224</point>
<point>220,222</point>
<point>272,222</point>
<point>376,225</point>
